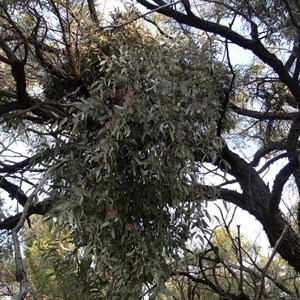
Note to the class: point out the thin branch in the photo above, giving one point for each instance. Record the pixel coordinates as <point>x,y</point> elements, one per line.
<point>292,57</point>
<point>279,182</point>
<point>68,41</point>
<point>21,34</point>
<point>205,281</point>
<point>257,276</point>
<point>24,164</point>
<point>154,9</point>
<point>271,161</point>
<point>33,196</point>
<point>272,146</point>
<point>254,31</point>
<point>227,93</point>
<point>266,267</point>
<point>240,258</point>
<point>264,115</point>
<point>39,47</point>
<point>21,276</point>
<point>157,27</point>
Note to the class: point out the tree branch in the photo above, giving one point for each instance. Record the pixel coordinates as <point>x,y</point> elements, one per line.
<point>20,272</point>
<point>271,161</point>
<point>13,190</point>
<point>279,182</point>
<point>155,9</point>
<point>22,165</point>
<point>272,146</point>
<point>93,13</point>
<point>40,208</point>
<point>255,46</point>
<point>9,107</point>
<point>264,115</point>
<point>266,267</point>
<point>292,57</point>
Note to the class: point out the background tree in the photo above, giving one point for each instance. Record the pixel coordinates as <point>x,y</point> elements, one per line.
<point>126,125</point>
<point>231,267</point>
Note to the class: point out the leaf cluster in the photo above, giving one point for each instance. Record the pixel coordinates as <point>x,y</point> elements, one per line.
<point>126,187</point>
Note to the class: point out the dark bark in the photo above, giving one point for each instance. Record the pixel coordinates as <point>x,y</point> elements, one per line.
<point>292,151</point>
<point>93,12</point>
<point>13,190</point>
<point>279,182</point>
<point>255,200</point>
<point>272,146</point>
<point>24,164</point>
<point>40,208</point>
<point>9,107</point>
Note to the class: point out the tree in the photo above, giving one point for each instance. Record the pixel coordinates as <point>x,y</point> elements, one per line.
<point>267,101</point>
<point>231,267</point>
<point>126,125</point>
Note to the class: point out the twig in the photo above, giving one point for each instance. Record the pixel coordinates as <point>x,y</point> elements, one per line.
<point>141,16</point>
<point>240,258</point>
<point>158,28</point>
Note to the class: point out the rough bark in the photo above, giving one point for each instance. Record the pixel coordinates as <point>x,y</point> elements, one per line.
<point>255,200</point>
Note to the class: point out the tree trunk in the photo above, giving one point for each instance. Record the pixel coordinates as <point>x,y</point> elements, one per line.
<point>255,201</point>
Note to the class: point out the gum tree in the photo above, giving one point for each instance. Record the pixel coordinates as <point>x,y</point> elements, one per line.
<point>266,101</point>
<point>125,124</point>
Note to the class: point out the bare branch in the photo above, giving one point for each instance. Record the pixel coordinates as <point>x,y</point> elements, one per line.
<point>264,115</point>
<point>271,161</point>
<point>266,267</point>
<point>272,146</point>
<point>41,208</point>
<point>292,57</point>
<point>20,272</point>
<point>154,9</point>
<point>227,93</point>
<point>23,165</point>
<point>240,258</point>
